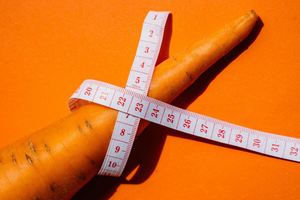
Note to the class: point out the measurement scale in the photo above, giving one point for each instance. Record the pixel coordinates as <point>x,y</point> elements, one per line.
<point>138,81</point>
<point>134,105</point>
<point>186,121</point>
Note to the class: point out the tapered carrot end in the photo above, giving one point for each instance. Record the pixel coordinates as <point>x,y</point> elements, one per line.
<point>243,25</point>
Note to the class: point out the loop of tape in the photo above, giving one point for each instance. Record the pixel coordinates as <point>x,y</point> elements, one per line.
<point>134,105</point>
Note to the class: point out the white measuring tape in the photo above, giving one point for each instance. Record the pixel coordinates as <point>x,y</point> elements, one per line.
<point>185,121</point>
<point>133,101</point>
<point>138,81</point>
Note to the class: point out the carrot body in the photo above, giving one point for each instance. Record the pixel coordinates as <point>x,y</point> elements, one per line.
<point>55,162</point>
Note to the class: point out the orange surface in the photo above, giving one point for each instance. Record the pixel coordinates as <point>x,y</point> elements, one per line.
<point>49,47</point>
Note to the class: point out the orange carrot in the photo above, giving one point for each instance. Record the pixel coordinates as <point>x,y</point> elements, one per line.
<point>55,162</point>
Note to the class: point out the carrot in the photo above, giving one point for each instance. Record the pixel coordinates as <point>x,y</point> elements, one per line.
<point>55,162</point>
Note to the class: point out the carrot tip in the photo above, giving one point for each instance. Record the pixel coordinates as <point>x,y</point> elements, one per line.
<point>252,12</point>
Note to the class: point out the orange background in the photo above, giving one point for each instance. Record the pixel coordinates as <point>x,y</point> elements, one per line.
<point>49,47</point>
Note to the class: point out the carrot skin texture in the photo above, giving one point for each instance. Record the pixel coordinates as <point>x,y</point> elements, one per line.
<point>55,162</point>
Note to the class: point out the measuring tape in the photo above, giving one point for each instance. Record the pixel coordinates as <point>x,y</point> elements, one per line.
<point>138,81</point>
<point>186,121</point>
<point>134,105</point>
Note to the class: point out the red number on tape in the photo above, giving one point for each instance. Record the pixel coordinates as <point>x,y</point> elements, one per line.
<point>154,114</point>
<point>256,143</point>
<point>187,123</point>
<point>151,33</point>
<point>294,151</point>
<point>104,95</point>
<point>203,128</point>
<point>88,91</point>
<point>117,149</point>
<point>139,107</point>
<point>137,79</point>
<point>170,118</point>
<point>239,138</point>
<point>112,164</point>
<point>122,132</point>
<point>221,133</point>
<point>121,101</point>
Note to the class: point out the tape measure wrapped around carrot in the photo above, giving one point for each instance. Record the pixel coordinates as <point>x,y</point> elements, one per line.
<point>55,162</point>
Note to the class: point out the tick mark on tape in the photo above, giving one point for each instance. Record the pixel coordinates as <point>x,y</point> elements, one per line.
<point>124,123</point>
<point>119,140</point>
<point>152,24</point>
<point>140,71</point>
<point>144,57</point>
<point>148,41</point>
<point>115,157</point>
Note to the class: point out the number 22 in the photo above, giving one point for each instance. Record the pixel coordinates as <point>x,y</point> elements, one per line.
<point>121,101</point>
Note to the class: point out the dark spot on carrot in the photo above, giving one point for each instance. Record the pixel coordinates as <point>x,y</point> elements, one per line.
<point>183,83</point>
<point>222,52</point>
<point>51,188</point>
<point>64,146</point>
<point>198,70</point>
<point>56,186</point>
<point>28,159</point>
<point>87,123</point>
<point>113,118</point>
<point>93,162</point>
<point>47,148</point>
<point>14,159</point>
<point>80,176</point>
<point>31,147</point>
<point>80,129</point>
<point>35,198</point>
<point>174,57</point>
<point>173,89</point>
<point>189,76</point>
